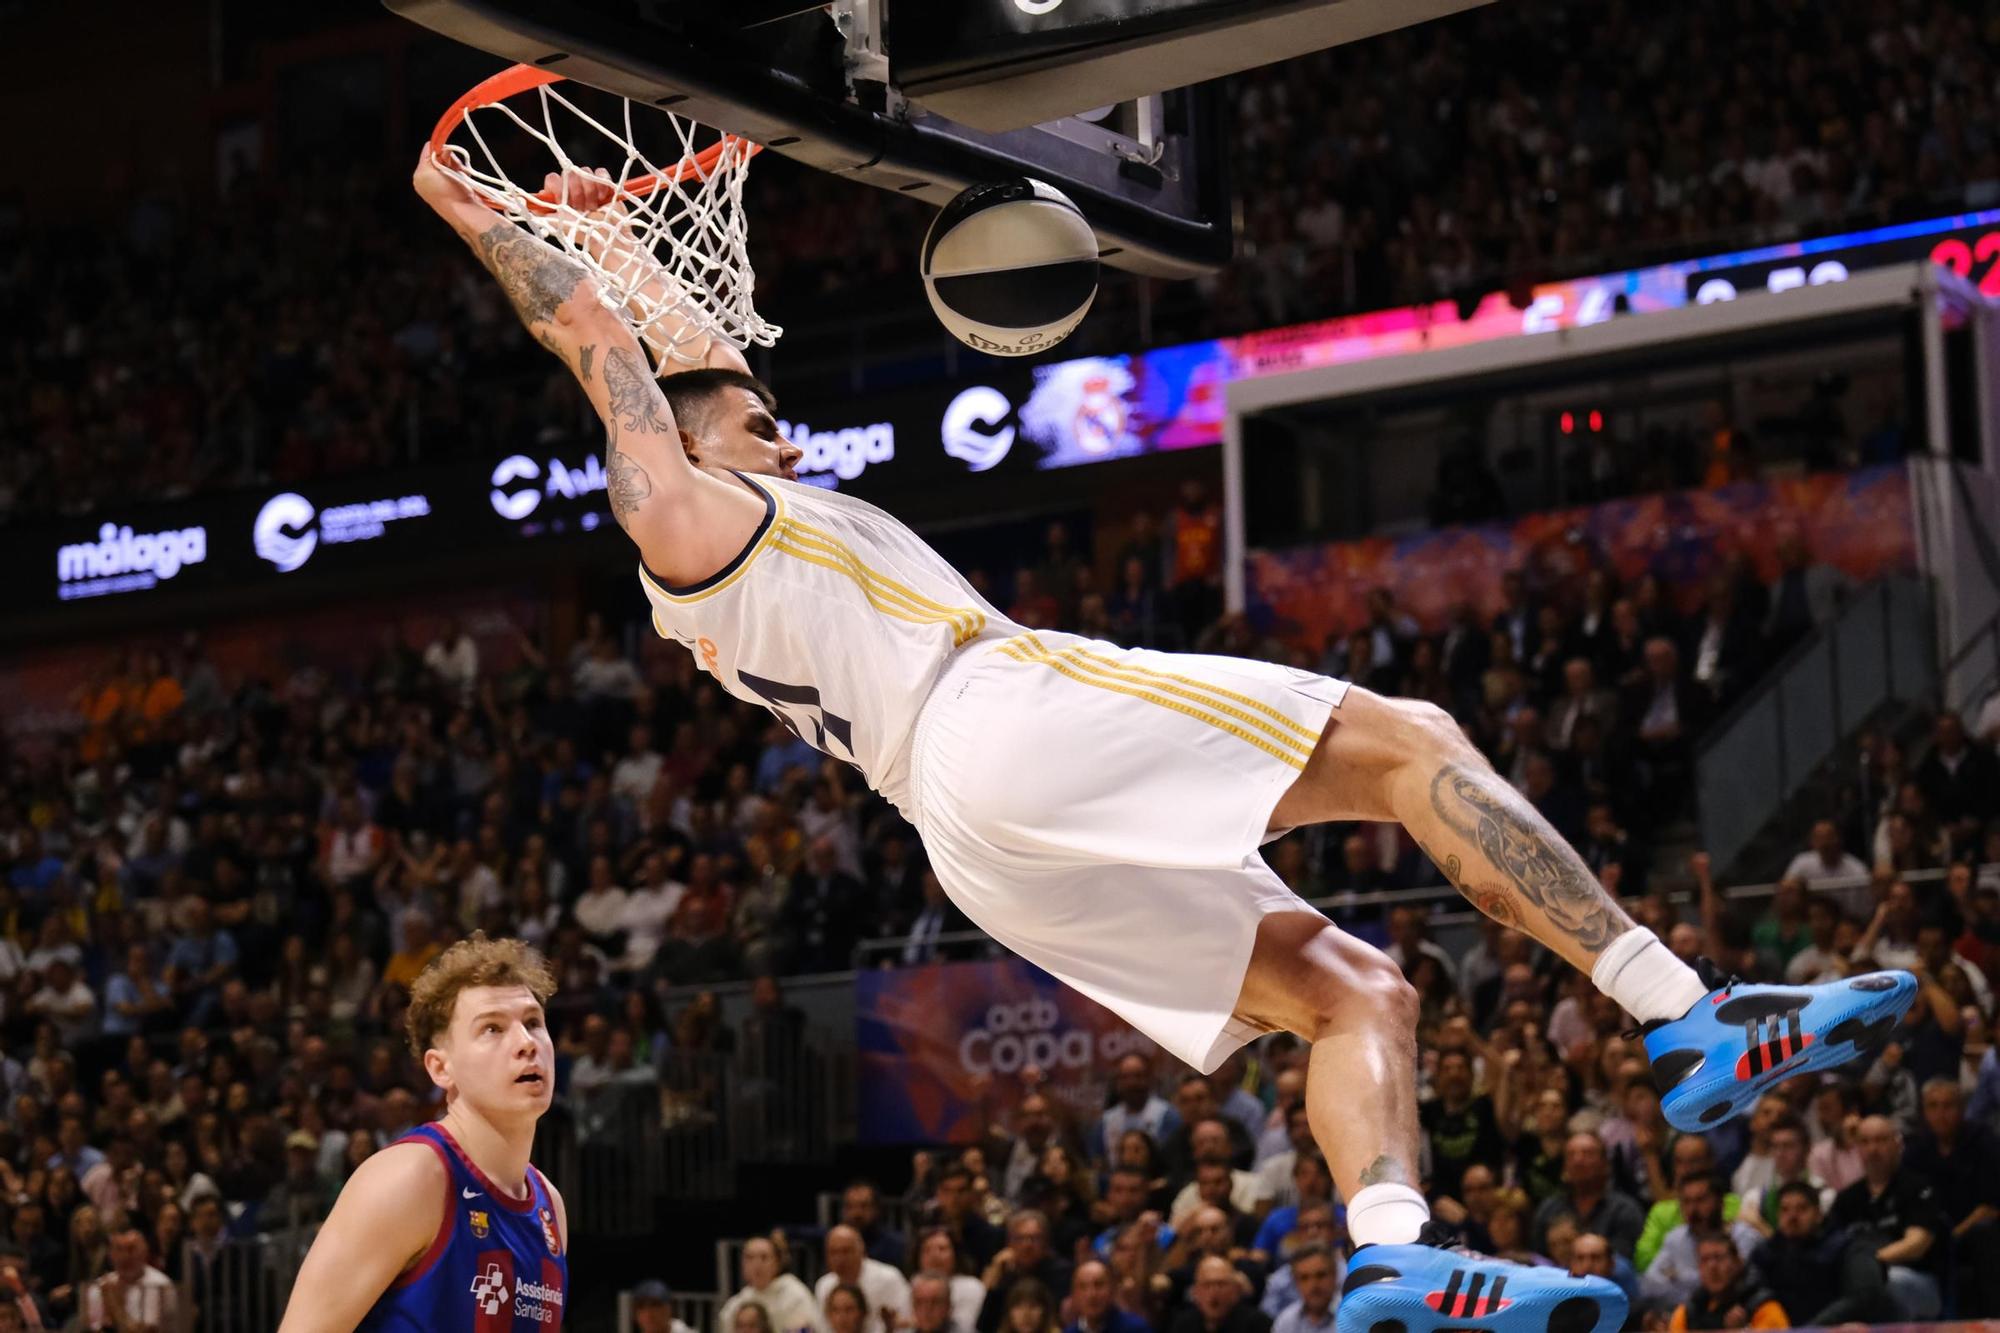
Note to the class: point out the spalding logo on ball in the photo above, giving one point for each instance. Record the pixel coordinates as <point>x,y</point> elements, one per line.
<point>1011,267</point>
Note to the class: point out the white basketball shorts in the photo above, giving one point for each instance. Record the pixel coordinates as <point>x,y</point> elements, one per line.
<point>1098,810</point>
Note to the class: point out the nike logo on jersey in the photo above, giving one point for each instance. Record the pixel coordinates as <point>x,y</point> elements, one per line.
<point>469,1194</point>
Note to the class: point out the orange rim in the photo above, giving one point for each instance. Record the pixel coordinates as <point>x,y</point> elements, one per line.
<point>518,79</point>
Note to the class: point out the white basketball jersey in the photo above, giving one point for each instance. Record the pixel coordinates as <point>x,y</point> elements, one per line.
<point>835,617</point>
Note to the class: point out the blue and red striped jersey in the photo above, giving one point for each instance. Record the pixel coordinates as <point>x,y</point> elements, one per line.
<point>496,1266</point>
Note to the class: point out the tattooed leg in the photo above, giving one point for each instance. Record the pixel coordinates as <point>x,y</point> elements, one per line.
<point>1393,759</point>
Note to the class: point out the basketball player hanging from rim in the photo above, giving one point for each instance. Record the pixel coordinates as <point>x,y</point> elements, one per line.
<point>449,1229</point>
<point>1099,810</point>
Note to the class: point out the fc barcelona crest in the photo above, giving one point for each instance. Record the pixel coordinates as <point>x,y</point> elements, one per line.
<point>480,1225</point>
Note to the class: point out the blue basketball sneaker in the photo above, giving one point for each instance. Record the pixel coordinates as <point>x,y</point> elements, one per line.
<point>1424,1288</point>
<point>1742,1040</point>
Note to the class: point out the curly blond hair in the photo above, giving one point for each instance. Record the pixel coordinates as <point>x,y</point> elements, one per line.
<point>477,961</point>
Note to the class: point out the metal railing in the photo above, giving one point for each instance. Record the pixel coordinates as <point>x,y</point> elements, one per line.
<point>697,1309</point>
<point>621,1149</point>
<point>893,1213</point>
<point>1877,650</point>
<point>240,1286</point>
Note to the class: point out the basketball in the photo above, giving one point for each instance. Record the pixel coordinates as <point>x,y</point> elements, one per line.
<point>1010,267</point>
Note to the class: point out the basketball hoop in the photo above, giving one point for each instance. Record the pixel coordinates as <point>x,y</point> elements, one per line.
<point>671,249</point>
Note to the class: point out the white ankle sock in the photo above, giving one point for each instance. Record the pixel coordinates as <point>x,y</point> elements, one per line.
<point>1645,978</point>
<point>1386,1215</point>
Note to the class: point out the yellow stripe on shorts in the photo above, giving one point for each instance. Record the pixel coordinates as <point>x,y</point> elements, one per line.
<point>1307,734</point>
<point>1027,648</point>
<point>1290,734</point>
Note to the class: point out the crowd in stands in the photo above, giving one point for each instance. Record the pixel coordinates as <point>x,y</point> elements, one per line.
<point>1200,1204</point>
<point>214,893</point>
<point>313,321</point>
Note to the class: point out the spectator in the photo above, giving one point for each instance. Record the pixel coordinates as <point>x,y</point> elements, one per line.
<point>1314,1275</point>
<point>1030,1308</point>
<point>930,1304</point>
<point>1724,1299</point>
<point>1135,1106</point>
<point>1824,860</point>
<point>848,1265</point>
<point>1316,1229</point>
<point>1961,1159</point>
<point>1677,1269</point>
<point>1026,1255</point>
<point>1589,1199</point>
<point>766,1284</point>
<point>1691,1155</point>
<point>453,657</point>
<point>1274,1173</point>
<point>1209,1142</point>
<point>1961,781</point>
<point>1217,1302</point>
<point>823,912</point>
<point>134,1294</point>
<point>199,959</point>
<point>1591,1256</point>
<point>1313,1183</point>
<point>301,1199</point>
<point>938,1257</point>
<point>953,1208</point>
<point>65,1000</point>
<point>938,916</point>
<point>1092,1300</point>
<point>861,1208</point>
<point>1788,1167</point>
<point>1901,1212</point>
<point>1668,714</point>
<point>1828,1277</point>
<point>846,1308</point>
<point>653,1310</point>
<point>1461,1127</point>
<point>1194,539</point>
<point>1820,959</point>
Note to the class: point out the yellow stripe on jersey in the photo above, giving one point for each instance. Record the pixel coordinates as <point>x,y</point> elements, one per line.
<point>787,544</point>
<point>1307,734</point>
<point>973,619</point>
<point>884,594</point>
<point>744,561</point>
<point>1027,649</point>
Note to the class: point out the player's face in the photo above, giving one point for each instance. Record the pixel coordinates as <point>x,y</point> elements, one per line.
<point>499,1054</point>
<point>744,437</point>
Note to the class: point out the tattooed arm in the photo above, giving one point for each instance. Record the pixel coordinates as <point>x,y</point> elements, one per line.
<point>686,523</point>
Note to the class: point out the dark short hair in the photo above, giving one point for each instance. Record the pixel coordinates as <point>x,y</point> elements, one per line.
<point>958,1171</point>
<point>1312,1249</point>
<point>1712,1179</point>
<point>1792,1187</point>
<point>693,394</point>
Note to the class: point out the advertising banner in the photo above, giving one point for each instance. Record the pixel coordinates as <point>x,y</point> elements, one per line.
<point>1099,409</point>
<point>949,1049</point>
<point>1860,523</point>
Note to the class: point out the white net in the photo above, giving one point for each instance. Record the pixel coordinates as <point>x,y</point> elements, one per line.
<point>671,246</point>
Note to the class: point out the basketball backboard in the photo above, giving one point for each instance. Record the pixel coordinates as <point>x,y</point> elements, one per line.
<point>1091,96</point>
